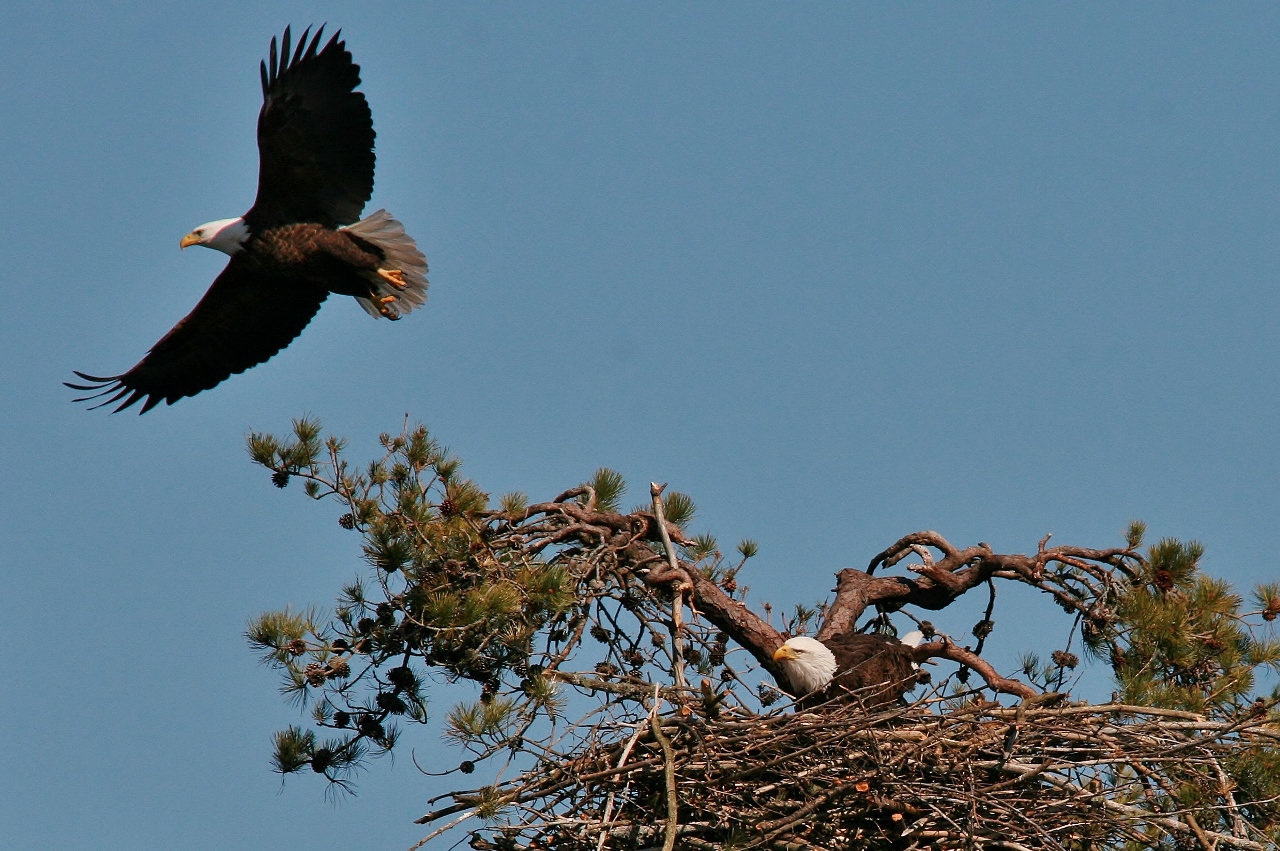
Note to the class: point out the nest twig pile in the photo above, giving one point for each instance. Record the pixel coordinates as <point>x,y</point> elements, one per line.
<point>973,775</point>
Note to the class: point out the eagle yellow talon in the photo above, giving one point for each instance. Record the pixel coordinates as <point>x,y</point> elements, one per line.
<point>387,299</point>
<point>394,277</point>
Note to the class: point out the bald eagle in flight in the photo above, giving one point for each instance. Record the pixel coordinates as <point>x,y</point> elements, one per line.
<point>300,241</point>
<point>875,669</point>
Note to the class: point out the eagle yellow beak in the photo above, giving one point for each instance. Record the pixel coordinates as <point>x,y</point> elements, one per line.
<point>784,652</point>
<point>189,240</point>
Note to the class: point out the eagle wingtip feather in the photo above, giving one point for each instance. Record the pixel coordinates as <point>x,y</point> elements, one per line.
<point>285,44</point>
<point>113,388</point>
<point>315,42</point>
<point>102,384</point>
<point>100,379</point>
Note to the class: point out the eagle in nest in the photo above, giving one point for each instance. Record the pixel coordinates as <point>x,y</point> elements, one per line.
<point>874,669</point>
<point>302,239</point>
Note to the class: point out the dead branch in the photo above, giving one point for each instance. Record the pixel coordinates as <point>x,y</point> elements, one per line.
<point>955,653</point>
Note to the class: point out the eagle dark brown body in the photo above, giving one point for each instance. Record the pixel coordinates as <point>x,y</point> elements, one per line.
<point>330,259</point>
<point>875,669</point>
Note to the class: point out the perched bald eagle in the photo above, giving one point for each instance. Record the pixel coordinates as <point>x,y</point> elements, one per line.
<point>875,669</point>
<point>299,242</point>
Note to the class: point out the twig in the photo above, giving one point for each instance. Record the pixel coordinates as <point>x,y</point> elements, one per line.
<point>677,598</point>
<point>669,775</point>
<point>622,760</point>
<point>433,834</point>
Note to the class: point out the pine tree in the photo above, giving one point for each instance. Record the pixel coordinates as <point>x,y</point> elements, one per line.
<point>616,667</point>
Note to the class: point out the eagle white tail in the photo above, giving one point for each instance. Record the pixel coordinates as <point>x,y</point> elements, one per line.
<point>913,639</point>
<point>402,256</point>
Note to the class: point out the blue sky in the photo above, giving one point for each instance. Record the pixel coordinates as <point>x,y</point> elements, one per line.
<point>839,271</point>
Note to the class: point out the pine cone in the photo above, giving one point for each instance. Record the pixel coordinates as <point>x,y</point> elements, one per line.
<point>280,479</point>
<point>315,674</point>
<point>1063,659</point>
<point>321,761</point>
<point>401,677</point>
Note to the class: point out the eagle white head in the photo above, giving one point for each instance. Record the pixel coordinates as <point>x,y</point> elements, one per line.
<point>809,664</point>
<point>226,235</point>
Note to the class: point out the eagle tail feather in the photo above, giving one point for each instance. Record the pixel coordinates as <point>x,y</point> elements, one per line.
<point>402,255</point>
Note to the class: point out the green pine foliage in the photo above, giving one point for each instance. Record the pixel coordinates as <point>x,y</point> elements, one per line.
<point>445,599</point>
<point>1135,534</point>
<point>704,545</point>
<point>513,503</point>
<point>679,508</point>
<point>609,487</point>
<point>294,749</point>
<point>1256,770</point>
<point>281,635</point>
<point>474,723</point>
<point>1179,639</point>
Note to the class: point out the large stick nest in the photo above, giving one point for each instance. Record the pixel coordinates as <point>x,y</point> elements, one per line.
<point>970,776</point>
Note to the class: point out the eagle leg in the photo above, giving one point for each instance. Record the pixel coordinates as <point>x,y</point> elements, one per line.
<point>394,277</point>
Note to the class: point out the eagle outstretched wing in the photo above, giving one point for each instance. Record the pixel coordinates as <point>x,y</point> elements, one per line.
<point>243,320</point>
<point>315,136</point>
